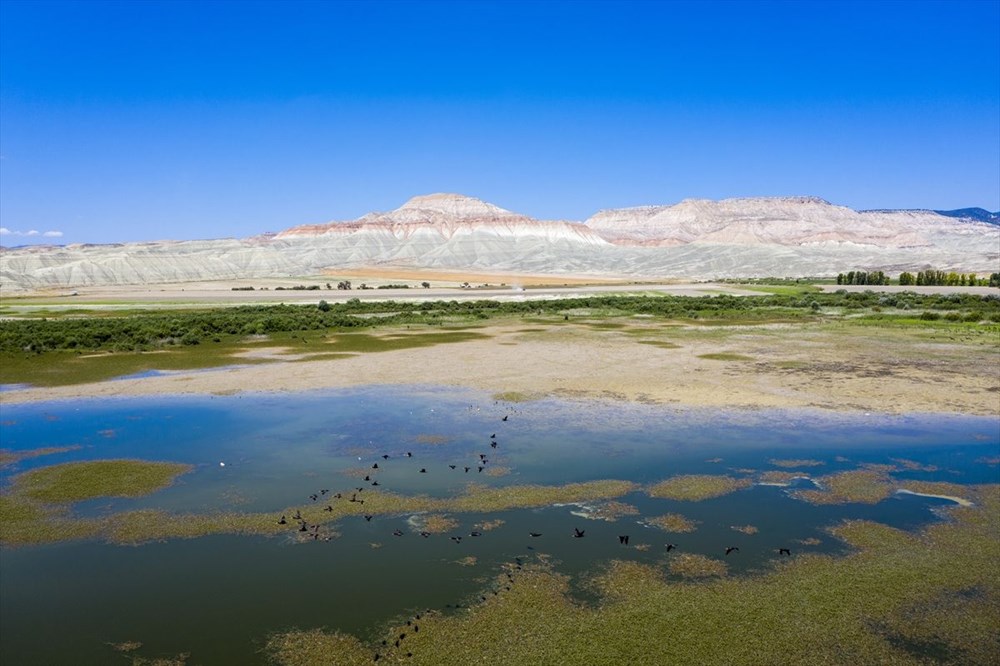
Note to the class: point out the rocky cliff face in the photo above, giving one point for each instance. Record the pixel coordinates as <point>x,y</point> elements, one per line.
<point>791,236</point>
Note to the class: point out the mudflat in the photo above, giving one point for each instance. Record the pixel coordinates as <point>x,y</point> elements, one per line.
<point>830,366</point>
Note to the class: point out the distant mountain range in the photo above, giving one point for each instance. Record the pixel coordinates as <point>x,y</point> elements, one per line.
<point>694,239</point>
<point>978,214</point>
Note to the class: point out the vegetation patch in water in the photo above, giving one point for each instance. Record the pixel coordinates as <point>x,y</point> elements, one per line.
<point>778,477</point>
<point>612,511</point>
<point>691,565</point>
<point>696,487</point>
<point>436,523</point>
<point>866,486</point>
<point>73,482</point>
<point>674,522</point>
<point>745,529</point>
<point>796,462</point>
<point>8,457</point>
<point>898,598</point>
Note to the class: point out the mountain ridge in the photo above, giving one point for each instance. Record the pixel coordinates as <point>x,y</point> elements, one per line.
<point>692,239</point>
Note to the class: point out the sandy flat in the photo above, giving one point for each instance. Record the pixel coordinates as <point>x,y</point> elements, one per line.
<point>845,369</point>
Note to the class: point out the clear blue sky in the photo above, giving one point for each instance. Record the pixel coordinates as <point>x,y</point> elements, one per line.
<point>143,120</point>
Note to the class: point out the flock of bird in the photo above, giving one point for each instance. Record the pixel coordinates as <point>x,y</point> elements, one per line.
<point>313,531</point>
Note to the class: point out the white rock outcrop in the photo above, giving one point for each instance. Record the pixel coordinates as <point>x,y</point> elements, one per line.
<point>701,239</point>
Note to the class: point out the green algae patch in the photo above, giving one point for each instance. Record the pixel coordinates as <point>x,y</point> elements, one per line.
<point>865,486</point>
<point>315,646</point>
<point>612,511</point>
<point>778,477</point>
<point>8,457</point>
<point>696,487</point>
<point>725,356</point>
<point>796,462</point>
<point>484,498</point>
<point>436,523</point>
<point>74,482</point>
<point>662,344</point>
<point>25,522</point>
<point>36,509</point>
<point>673,522</point>
<point>690,565</point>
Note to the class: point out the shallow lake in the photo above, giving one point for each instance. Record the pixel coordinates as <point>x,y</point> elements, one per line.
<point>219,597</point>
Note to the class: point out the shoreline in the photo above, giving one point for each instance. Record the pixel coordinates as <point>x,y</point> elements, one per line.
<point>799,366</point>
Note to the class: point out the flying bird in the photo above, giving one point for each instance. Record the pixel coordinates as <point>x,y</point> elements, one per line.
<point>623,539</point>
<point>578,533</point>
<point>784,551</point>
<point>732,549</point>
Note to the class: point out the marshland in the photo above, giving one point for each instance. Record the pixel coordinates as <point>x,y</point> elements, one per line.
<point>301,492</point>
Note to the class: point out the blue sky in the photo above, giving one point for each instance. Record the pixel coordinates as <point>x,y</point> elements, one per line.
<point>124,121</point>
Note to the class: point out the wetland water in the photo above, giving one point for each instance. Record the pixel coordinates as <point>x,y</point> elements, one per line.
<point>218,597</point>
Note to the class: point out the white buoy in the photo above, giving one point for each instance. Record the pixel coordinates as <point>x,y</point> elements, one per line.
<point>222,464</point>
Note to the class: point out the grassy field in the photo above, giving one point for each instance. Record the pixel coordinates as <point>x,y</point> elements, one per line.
<point>50,349</point>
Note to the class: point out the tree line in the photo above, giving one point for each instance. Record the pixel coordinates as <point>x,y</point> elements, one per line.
<point>929,277</point>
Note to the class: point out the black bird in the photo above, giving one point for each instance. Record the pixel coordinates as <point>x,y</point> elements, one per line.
<point>303,527</point>
<point>416,628</point>
<point>297,516</point>
<point>504,418</point>
<point>377,657</point>
<point>577,533</point>
<point>354,497</point>
<point>282,521</point>
<point>409,454</point>
<point>314,497</point>
<point>423,470</point>
<point>623,539</point>
<point>482,456</point>
<point>359,489</point>
<point>375,483</point>
<point>670,547</point>
<point>402,636</point>
<point>324,491</point>
<point>368,518</point>
<point>424,535</point>
<point>375,466</point>
<point>731,549</point>
<point>338,495</point>
<point>535,534</point>
<point>475,534</point>
<point>385,456</point>
<point>368,477</point>
<point>481,468</point>
<point>456,539</point>
<point>493,436</point>
<point>467,469</point>
<point>493,444</point>
<point>328,508</point>
<point>784,551</point>
<point>397,533</point>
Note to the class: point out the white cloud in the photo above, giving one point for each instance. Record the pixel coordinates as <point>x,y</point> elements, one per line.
<point>4,231</point>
